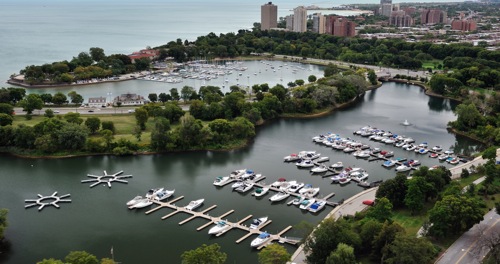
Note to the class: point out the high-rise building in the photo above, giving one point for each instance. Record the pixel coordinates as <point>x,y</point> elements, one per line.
<point>340,26</point>
<point>289,22</point>
<point>464,25</point>
<point>385,9</point>
<point>385,2</point>
<point>401,19</point>
<point>300,19</point>
<point>433,16</point>
<point>319,23</point>
<point>268,16</point>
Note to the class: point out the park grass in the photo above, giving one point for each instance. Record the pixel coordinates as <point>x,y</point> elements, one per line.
<point>431,64</point>
<point>411,223</point>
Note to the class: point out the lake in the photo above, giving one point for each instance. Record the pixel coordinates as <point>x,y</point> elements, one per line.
<point>97,218</point>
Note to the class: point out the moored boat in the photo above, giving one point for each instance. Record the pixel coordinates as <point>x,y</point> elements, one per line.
<point>260,240</point>
<point>142,203</point>
<point>306,203</point>
<point>258,222</point>
<point>135,200</point>
<point>220,227</point>
<point>320,169</point>
<point>317,206</point>
<point>344,181</point>
<point>221,180</point>
<point>260,191</point>
<point>403,168</point>
<point>389,163</point>
<point>164,194</point>
<point>245,187</point>
<point>194,204</point>
<point>152,192</point>
<point>337,166</point>
<point>279,196</point>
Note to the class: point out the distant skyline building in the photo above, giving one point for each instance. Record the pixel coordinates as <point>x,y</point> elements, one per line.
<point>289,22</point>
<point>268,16</point>
<point>433,16</point>
<point>385,2</point>
<point>401,19</point>
<point>300,19</point>
<point>386,9</point>
<point>340,26</point>
<point>463,25</point>
<point>319,23</point>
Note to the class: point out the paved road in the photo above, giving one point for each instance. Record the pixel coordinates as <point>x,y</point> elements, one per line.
<point>350,207</point>
<point>469,248</point>
<point>87,110</point>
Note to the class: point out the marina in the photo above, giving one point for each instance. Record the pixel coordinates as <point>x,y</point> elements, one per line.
<point>215,219</point>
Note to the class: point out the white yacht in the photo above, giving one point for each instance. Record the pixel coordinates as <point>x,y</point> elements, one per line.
<point>261,239</point>
<point>258,222</point>
<point>152,192</point>
<point>279,196</point>
<point>220,227</point>
<point>295,186</point>
<point>306,203</point>
<point>194,204</point>
<point>135,200</point>
<point>337,166</point>
<point>220,181</point>
<point>260,191</point>
<point>142,203</point>
<point>317,206</point>
<point>307,163</point>
<point>164,194</point>
<point>389,163</point>
<point>403,168</point>
<point>321,168</point>
<point>245,187</point>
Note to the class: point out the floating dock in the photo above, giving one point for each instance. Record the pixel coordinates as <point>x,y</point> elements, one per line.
<point>214,219</point>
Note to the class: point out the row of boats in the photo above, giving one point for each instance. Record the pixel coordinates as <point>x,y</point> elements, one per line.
<point>157,194</point>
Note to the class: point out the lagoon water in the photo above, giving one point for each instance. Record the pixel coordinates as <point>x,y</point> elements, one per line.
<point>97,219</point>
<point>35,32</point>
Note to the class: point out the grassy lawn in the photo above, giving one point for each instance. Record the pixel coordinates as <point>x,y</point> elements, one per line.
<point>431,64</point>
<point>411,223</point>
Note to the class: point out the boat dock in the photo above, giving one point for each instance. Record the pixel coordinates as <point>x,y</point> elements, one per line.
<point>214,219</point>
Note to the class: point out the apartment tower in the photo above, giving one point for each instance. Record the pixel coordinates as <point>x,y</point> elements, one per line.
<point>268,16</point>
<point>300,19</point>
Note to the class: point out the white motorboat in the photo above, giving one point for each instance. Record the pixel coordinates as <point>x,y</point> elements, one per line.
<point>344,181</point>
<point>443,156</point>
<point>297,200</point>
<point>389,163</point>
<point>258,222</point>
<point>311,192</point>
<point>317,206</point>
<point>349,150</point>
<point>194,204</point>
<point>135,200</point>
<point>307,163</point>
<point>423,151</point>
<point>260,191</point>
<point>364,154</point>
<point>260,240</point>
<point>142,203</point>
<point>449,152</point>
<point>414,163</point>
<point>437,148</point>
<point>406,123</point>
<point>237,184</point>
<point>220,227</point>
<point>319,169</point>
<point>403,168</point>
<point>359,176</point>
<point>164,194</point>
<point>278,183</point>
<point>294,186</point>
<point>152,192</point>
<point>399,144</point>
<point>256,177</point>
<point>291,157</point>
<point>220,181</point>
<point>245,187</point>
<point>322,159</point>
<point>338,177</point>
<point>306,188</point>
<point>337,166</point>
<point>306,203</point>
<point>311,155</point>
<point>411,147</point>
<point>237,173</point>
<point>279,196</point>
<point>247,174</point>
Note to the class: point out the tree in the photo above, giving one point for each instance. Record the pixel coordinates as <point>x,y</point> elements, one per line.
<point>381,242</point>
<point>189,131</point>
<point>159,136</point>
<point>372,77</point>
<point>394,189</point>
<point>59,98</point>
<point>3,222</point>
<point>343,254</point>
<point>5,119</point>
<point>49,113</point>
<point>311,78</point>
<point>108,137</point>
<point>326,238</point>
<point>299,82</point>
<point>141,117</point>
<point>382,210</point>
<point>204,255</point>
<point>109,125</point>
<point>93,123</point>
<point>174,93</point>
<point>31,102</point>
<point>76,98</point>
<point>410,250</point>
<point>415,196</point>
<point>6,109</point>
<point>274,254</point>
<point>186,92</point>
<point>153,97</point>
<point>97,54</point>
<point>330,70</point>
<point>73,118</point>
<point>71,137</point>
<point>163,97</point>
<point>455,214</point>
<point>489,153</point>
<point>81,257</point>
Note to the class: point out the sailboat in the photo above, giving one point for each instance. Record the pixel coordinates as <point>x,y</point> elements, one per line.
<point>406,123</point>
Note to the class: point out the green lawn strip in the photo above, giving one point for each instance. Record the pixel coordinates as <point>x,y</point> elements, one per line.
<point>411,223</point>
<point>467,181</point>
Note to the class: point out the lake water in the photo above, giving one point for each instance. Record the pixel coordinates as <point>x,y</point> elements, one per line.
<point>97,219</point>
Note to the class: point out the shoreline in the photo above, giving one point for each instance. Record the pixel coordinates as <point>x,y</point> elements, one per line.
<point>121,78</point>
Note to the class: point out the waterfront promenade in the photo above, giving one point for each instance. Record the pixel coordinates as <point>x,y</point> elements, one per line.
<point>350,207</point>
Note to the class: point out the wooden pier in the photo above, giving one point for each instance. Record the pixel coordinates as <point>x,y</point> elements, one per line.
<point>214,219</point>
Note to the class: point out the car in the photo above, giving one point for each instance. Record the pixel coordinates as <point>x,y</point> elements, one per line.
<point>56,112</point>
<point>91,111</point>
<point>131,110</point>
<point>369,202</point>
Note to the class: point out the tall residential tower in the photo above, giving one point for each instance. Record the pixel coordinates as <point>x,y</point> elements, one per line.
<point>268,16</point>
<point>300,19</point>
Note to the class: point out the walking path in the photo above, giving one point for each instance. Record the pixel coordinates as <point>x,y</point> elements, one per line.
<point>457,170</point>
<point>350,207</point>
<point>472,246</point>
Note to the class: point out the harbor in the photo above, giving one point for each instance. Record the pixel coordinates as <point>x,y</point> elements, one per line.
<point>102,209</point>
